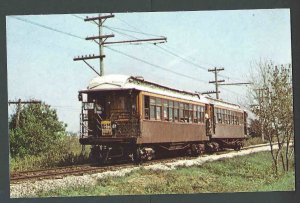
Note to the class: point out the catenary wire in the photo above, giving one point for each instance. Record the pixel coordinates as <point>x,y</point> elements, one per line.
<point>133,57</point>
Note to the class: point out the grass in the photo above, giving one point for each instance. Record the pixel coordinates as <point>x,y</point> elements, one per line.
<point>241,174</point>
<point>71,155</point>
<point>253,141</point>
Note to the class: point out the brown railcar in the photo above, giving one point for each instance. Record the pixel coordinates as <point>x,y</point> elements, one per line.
<point>129,117</point>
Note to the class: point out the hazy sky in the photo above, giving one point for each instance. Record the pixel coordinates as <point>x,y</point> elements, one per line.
<point>40,60</point>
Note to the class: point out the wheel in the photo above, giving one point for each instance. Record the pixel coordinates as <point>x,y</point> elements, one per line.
<point>137,156</point>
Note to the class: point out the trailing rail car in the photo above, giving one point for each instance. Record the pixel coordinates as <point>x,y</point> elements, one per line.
<point>125,116</point>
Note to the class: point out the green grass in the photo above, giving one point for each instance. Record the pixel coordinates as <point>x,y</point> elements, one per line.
<point>253,141</point>
<point>249,173</point>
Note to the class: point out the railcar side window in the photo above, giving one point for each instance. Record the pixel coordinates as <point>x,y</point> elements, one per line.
<point>202,114</point>
<point>219,116</point>
<point>176,111</point>
<point>181,107</point>
<point>223,116</point>
<point>195,112</point>
<point>190,113</point>
<point>186,112</point>
<point>234,117</point>
<point>166,110</point>
<point>171,111</point>
<point>146,107</point>
<point>152,108</point>
<point>158,109</point>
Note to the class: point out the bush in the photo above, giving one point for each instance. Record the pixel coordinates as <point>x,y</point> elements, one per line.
<point>36,132</point>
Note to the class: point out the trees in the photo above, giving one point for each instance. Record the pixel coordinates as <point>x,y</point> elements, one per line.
<point>273,95</point>
<point>38,132</point>
<point>254,128</point>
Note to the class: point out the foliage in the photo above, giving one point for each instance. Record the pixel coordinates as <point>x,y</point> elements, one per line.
<point>35,130</point>
<point>273,95</point>
<point>220,176</point>
<point>70,154</point>
<point>254,128</point>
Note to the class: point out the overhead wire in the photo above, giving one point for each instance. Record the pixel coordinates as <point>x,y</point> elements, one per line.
<point>133,57</point>
<point>172,53</point>
<point>157,66</point>
<point>47,27</point>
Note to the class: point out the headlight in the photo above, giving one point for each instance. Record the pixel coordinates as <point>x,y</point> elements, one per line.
<point>114,125</point>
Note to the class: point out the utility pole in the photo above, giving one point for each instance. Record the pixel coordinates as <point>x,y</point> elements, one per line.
<point>260,98</point>
<point>216,81</point>
<point>19,103</point>
<point>101,41</point>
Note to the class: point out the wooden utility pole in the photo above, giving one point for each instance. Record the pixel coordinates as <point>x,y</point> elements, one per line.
<point>260,98</point>
<point>216,81</point>
<point>101,41</point>
<point>19,103</point>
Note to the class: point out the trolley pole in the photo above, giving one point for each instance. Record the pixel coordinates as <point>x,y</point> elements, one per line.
<point>216,81</point>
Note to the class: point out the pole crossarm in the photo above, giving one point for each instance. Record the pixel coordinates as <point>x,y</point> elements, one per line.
<point>88,57</point>
<point>215,69</point>
<point>210,92</point>
<point>99,37</point>
<point>99,17</point>
<point>25,102</point>
<point>164,39</point>
<point>217,81</point>
<point>238,83</point>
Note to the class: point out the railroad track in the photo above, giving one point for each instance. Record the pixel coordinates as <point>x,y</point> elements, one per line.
<point>61,172</point>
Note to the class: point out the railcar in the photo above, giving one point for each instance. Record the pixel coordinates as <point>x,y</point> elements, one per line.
<point>128,117</point>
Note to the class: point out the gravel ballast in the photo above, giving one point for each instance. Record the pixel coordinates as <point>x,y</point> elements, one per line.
<point>30,189</point>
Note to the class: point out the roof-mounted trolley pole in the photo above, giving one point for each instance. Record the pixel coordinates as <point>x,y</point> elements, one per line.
<point>101,41</point>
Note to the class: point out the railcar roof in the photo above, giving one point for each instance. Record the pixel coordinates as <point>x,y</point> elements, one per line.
<point>123,82</point>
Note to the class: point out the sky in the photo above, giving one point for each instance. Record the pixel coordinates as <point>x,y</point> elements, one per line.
<point>41,48</point>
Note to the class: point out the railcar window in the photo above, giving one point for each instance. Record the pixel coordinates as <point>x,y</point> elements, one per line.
<point>190,113</point>
<point>223,116</point>
<point>152,108</point>
<point>158,109</point>
<point>186,112</point>
<point>176,111</point>
<point>146,107</point>
<point>219,115</point>
<point>195,112</point>
<point>216,115</point>
<point>234,118</point>
<point>181,107</point>
<point>171,111</point>
<point>229,117</point>
<point>201,114</point>
<point>166,110</point>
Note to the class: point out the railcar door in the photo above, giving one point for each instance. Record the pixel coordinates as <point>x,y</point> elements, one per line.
<point>209,119</point>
